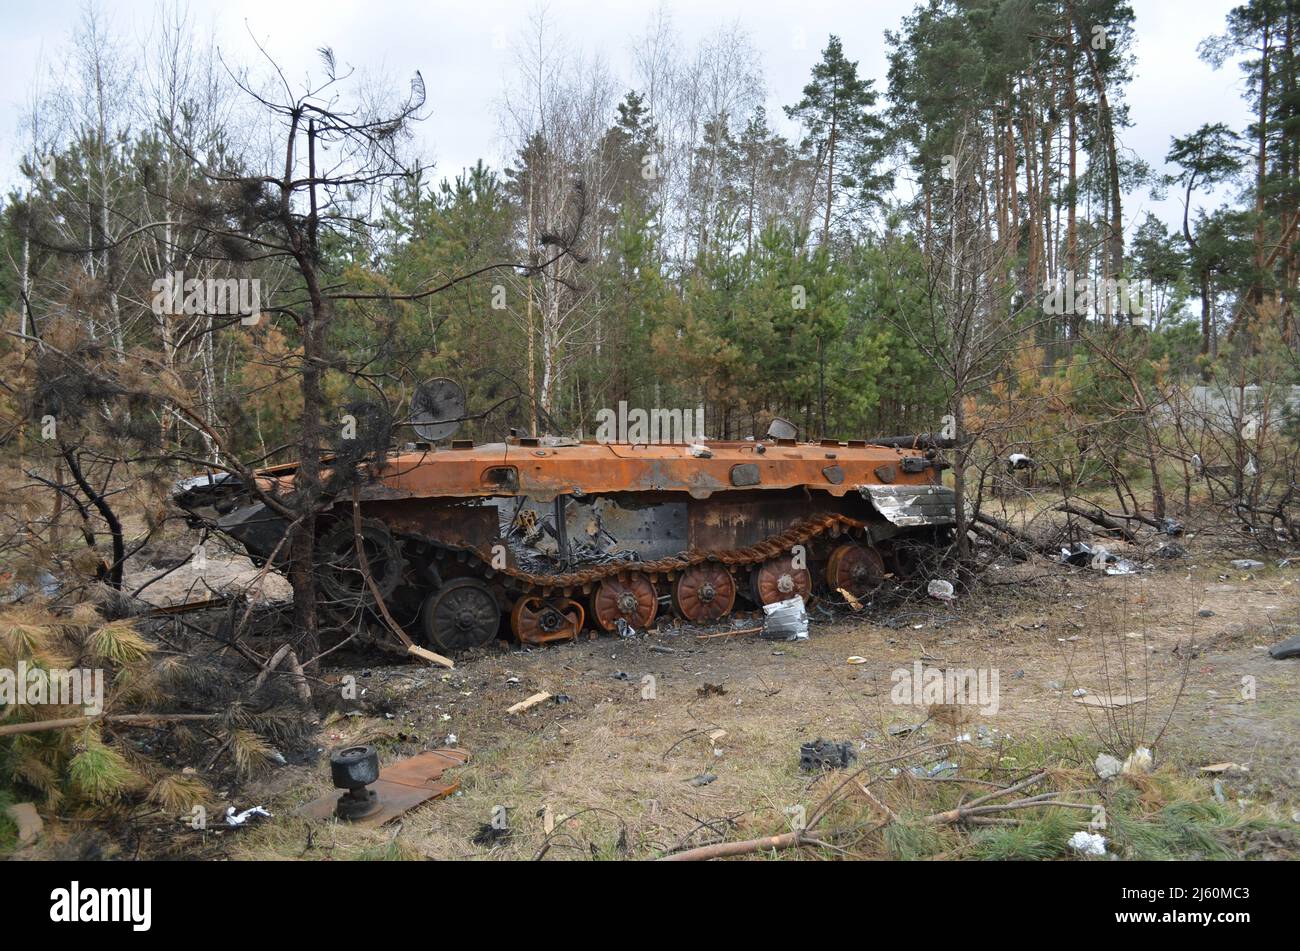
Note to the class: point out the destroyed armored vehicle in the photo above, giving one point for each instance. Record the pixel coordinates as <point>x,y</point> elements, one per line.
<point>548,536</point>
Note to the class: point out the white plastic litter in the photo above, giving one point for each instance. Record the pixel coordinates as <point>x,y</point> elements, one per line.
<point>786,620</point>
<point>238,819</point>
<point>1107,766</point>
<point>1088,843</point>
<point>1139,761</point>
<point>938,588</point>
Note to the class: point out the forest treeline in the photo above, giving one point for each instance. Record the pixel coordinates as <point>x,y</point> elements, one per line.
<point>718,261</point>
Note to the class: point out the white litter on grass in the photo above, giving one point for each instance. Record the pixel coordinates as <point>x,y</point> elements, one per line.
<point>1139,761</point>
<point>238,819</point>
<point>1088,843</point>
<point>786,620</point>
<point>1107,766</point>
<point>938,588</point>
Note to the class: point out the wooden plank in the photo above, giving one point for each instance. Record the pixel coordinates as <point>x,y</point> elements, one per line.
<point>529,703</point>
<point>430,656</point>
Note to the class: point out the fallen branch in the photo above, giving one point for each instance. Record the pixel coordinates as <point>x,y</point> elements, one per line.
<point>722,850</point>
<point>121,719</point>
<point>1100,518</point>
<point>364,563</point>
<point>1015,536</point>
<point>736,633</point>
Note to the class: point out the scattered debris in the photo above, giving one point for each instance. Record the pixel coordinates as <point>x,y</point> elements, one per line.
<point>1079,554</point>
<point>1205,612</point>
<point>1246,564</point>
<point>786,620</point>
<point>857,659</point>
<point>398,788</point>
<point>826,754</point>
<point>905,729</point>
<point>29,822</point>
<point>529,703</point>
<point>239,818</point>
<point>711,690</point>
<point>732,633</point>
<point>853,603</point>
<point>1088,843</point>
<point>1079,692</point>
<point>1287,648</point>
<point>1139,761</point>
<point>941,590</point>
<point>416,651</point>
<point>1171,550</point>
<point>1107,766</point>
<point>1018,460</point>
<point>934,769</point>
<point>1225,768</point>
<point>489,834</point>
<point>703,779</point>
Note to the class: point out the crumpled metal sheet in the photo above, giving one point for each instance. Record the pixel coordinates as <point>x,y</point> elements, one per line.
<point>909,505</point>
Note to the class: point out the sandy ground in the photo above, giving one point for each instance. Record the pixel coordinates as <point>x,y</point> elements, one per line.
<point>1189,635</point>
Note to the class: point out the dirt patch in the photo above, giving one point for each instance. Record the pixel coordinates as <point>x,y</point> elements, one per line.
<point>635,752</point>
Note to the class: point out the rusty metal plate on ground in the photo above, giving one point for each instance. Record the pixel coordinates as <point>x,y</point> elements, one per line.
<point>400,787</point>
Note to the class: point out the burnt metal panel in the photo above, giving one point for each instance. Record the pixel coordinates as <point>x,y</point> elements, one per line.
<point>459,523</point>
<point>726,522</point>
<point>745,474</point>
<point>908,505</point>
<point>650,528</point>
<point>654,530</point>
<point>256,527</point>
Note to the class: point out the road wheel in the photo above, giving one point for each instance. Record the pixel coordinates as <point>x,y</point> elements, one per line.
<point>778,579</point>
<point>630,597</point>
<point>704,593</point>
<point>460,615</point>
<point>859,571</point>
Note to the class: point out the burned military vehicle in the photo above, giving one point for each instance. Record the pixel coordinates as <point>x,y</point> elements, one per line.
<point>546,536</point>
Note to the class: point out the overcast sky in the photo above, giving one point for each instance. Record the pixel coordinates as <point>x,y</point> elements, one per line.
<point>463,49</point>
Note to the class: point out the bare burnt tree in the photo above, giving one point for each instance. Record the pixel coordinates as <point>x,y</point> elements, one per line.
<point>338,155</point>
<point>973,322</point>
